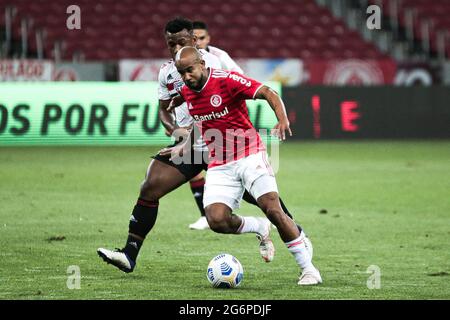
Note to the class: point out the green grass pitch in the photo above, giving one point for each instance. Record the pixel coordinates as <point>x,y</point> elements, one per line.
<point>387,204</point>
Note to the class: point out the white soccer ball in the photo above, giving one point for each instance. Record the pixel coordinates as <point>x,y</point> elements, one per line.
<point>225,271</point>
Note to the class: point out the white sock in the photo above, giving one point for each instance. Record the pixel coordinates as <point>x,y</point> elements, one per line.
<point>249,225</point>
<point>300,253</point>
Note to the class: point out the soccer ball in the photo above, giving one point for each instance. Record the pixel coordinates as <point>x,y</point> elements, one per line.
<point>225,271</point>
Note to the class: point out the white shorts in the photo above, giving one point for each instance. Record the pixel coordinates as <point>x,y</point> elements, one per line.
<point>227,183</point>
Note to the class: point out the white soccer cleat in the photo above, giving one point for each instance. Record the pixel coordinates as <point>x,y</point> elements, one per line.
<point>200,224</point>
<point>117,258</point>
<point>310,277</point>
<point>266,247</point>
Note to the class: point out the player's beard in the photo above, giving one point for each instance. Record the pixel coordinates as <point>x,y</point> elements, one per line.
<point>199,83</point>
<point>191,86</point>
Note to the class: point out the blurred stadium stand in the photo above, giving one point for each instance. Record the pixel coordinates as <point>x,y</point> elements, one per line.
<point>414,35</point>
<point>113,30</point>
<point>411,29</point>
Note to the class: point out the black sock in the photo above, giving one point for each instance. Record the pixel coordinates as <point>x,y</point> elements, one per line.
<point>197,188</point>
<point>132,247</point>
<point>141,222</point>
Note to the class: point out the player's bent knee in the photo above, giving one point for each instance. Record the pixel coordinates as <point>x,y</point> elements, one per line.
<point>149,191</point>
<point>215,223</point>
<point>217,220</point>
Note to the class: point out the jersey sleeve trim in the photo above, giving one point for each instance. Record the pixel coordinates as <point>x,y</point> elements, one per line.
<point>256,91</point>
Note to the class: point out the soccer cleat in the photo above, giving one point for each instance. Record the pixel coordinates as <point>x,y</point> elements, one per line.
<point>310,277</point>
<point>200,224</point>
<point>117,258</point>
<point>266,247</point>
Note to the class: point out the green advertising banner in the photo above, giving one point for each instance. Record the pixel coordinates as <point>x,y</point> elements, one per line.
<point>92,113</point>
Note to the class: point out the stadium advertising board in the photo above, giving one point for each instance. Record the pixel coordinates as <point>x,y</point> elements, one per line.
<point>289,72</point>
<point>351,72</point>
<point>417,74</point>
<point>86,71</point>
<point>140,70</point>
<point>368,112</point>
<point>26,70</point>
<point>92,113</point>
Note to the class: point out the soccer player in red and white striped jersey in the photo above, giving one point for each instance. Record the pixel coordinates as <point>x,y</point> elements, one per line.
<point>238,160</point>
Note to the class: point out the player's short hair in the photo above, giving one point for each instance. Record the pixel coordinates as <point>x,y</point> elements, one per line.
<point>200,25</point>
<point>178,24</point>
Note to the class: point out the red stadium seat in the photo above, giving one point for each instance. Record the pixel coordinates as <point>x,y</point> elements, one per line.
<point>267,29</point>
<point>434,12</point>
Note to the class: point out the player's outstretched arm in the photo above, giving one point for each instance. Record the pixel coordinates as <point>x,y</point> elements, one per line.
<point>278,107</point>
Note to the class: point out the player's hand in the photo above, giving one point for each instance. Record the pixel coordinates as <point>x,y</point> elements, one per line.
<point>166,152</point>
<point>174,152</point>
<point>168,133</point>
<point>175,102</point>
<point>280,129</point>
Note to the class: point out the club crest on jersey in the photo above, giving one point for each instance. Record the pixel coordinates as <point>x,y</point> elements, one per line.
<point>216,100</point>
